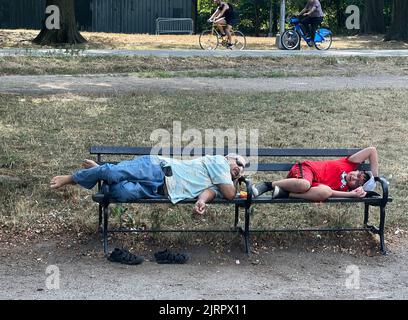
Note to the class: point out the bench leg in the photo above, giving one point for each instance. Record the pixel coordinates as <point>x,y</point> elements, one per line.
<point>100,218</point>
<point>246,230</point>
<point>100,206</point>
<point>236,216</point>
<point>105,211</point>
<point>381,230</point>
<point>366,214</point>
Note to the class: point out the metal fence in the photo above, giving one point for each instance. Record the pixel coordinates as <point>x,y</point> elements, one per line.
<point>18,14</point>
<point>174,25</point>
<point>122,16</point>
<point>135,16</point>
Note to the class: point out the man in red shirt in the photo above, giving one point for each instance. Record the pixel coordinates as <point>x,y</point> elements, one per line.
<point>320,180</point>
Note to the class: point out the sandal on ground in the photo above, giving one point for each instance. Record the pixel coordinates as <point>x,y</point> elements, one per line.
<point>168,257</point>
<point>125,257</point>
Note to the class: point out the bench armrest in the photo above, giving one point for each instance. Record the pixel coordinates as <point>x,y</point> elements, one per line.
<point>248,184</point>
<point>103,195</point>
<point>384,185</point>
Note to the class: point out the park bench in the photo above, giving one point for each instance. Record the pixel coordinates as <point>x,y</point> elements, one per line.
<point>245,205</point>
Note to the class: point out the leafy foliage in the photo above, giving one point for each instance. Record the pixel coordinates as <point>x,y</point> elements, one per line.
<point>254,15</point>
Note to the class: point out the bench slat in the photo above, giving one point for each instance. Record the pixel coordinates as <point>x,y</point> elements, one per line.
<point>264,167</point>
<point>112,150</point>
<point>301,154</point>
<point>273,167</point>
<point>264,200</point>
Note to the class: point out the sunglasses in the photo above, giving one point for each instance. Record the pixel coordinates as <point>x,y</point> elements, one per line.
<point>240,164</point>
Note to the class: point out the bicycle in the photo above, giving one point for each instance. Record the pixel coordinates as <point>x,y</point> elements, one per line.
<point>292,37</point>
<point>212,38</point>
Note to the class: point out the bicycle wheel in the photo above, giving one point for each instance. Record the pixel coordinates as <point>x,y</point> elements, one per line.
<point>290,39</point>
<point>238,40</point>
<point>323,39</point>
<point>209,40</point>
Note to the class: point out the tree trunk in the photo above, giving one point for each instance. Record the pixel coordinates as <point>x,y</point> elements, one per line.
<point>399,25</point>
<point>275,15</point>
<point>373,17</point>
<point>68,32</point>
<point>194,6</point>
<point>339,14</point>
<point>257,22</point>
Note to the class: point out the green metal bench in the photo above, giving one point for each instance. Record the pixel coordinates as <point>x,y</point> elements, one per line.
<point>380,201</point>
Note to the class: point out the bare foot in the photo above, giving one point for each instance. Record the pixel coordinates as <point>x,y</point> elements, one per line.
<point>87,164</point>
<point>60,181</point>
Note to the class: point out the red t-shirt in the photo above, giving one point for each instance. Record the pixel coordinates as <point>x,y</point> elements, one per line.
<point>332,173</point>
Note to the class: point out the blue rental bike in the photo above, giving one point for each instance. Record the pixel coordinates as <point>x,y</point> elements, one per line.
<point>292,37</point>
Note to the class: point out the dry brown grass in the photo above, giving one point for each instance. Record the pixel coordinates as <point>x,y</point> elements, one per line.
<point>22,39</point>
<point>194,66</point>
<point>240,67</point>
<point>42,136</point>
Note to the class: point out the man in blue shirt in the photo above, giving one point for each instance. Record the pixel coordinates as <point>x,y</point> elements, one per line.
<point>152,177</point>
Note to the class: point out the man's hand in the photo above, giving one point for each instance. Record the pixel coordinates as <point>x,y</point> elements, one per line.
<point>359,193</point>
<point>205,197</point>
<point>200,207</point>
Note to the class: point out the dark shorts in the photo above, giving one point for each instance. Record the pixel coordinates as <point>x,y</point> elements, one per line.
<point>230,19</point>
<point>312,21</point>
<point>306,173</point>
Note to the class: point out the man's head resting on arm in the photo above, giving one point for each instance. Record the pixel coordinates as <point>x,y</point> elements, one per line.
<point>237,165</point>
<point>357,179</point>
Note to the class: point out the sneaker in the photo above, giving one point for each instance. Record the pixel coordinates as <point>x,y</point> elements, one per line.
<point>125,257</point>
<point>279,193</point>
<point>169,257</point>
<point>229,45</point>
<point>261,188</point>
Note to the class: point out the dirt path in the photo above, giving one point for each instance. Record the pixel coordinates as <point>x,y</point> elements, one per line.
<point>275,273</point>
<point>104,84</point>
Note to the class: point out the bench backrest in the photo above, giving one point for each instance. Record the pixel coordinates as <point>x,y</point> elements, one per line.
<point>264,166</point>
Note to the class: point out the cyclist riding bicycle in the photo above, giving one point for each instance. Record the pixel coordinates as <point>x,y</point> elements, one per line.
<point>311,17</point>
<point>224,16</point>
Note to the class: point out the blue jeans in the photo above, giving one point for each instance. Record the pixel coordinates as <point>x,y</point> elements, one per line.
<point>135,179</point>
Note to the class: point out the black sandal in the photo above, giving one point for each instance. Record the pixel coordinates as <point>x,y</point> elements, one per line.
<point>125,257</point>
<point>168,257</point>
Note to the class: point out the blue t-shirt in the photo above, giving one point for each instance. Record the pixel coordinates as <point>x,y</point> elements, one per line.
<point>191,177</point>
